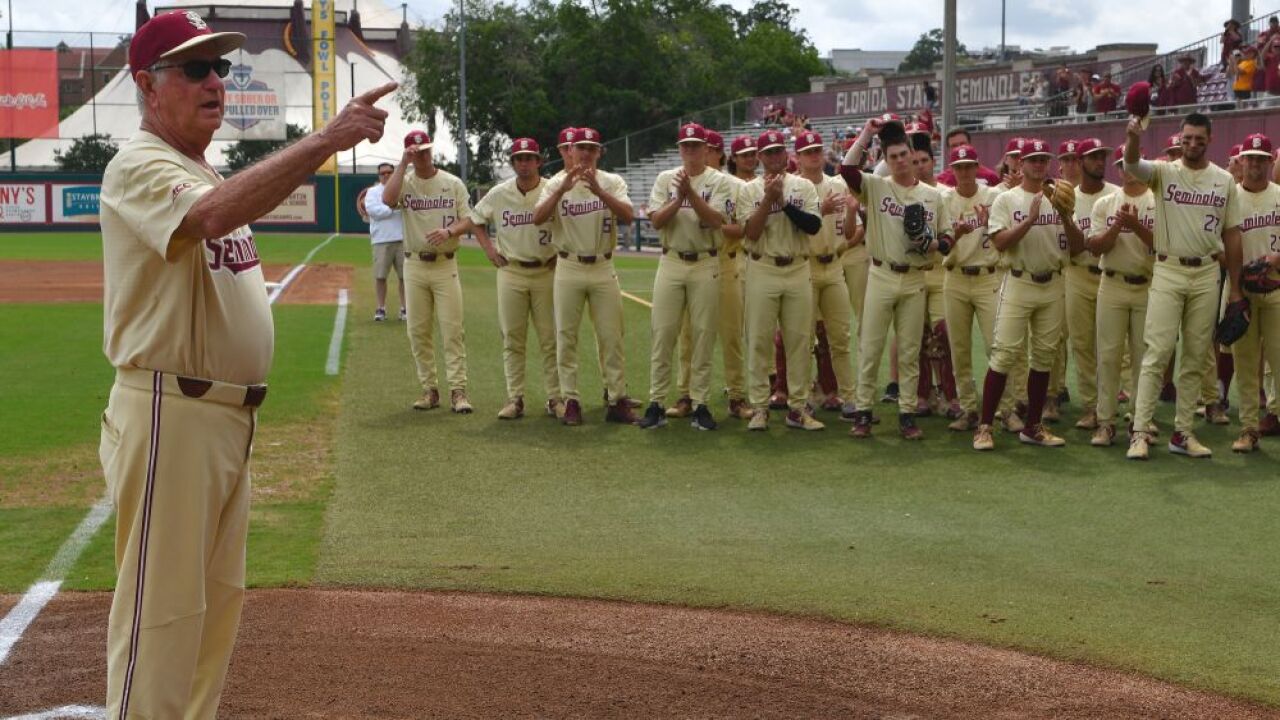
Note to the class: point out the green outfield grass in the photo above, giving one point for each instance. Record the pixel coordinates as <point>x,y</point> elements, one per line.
<point>1162,568</point>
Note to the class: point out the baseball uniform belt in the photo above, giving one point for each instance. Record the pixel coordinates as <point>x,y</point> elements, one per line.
<point>690,256</point>
<point>974,270</point>
<point>778,260</point>
<point>585,259</point>
<point>1188,261</point>
<point>1129,279</point>
<point>731,254</point>
<point>429,256</point>
<point>1094,269</point>
<point>534,263</point>
<point>1041,278</point>
<point>825,259</point>
<point>899,268</point>
<point>249,396</point>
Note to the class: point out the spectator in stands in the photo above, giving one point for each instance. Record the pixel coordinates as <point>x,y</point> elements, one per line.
<point>1082,92</point>
<point>1184,81</point>
<point>1159,86</point>
<point>1106,95</point>
<point>1231,41</point>
<point>1241,70</point>
<point>1060,92</point>
<point>1273,28</point>
<point>1271,64</point>
<point>930,96</point>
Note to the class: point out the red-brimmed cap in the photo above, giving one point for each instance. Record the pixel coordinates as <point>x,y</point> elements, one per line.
<point>1014,146</point>
<point>586,136</point>
<point>1235,151</point>
<point>1035,147</point>
<point>1066,148</point>
<point>743,143</point>
<point>916,128</point>
<point>524,146</point>
<point>962,154</point>
<point>1257,144</point>
<point>1138,100</point>
<point>770,139</point>
<point>692,132</point>
<point>170,33</point>
<point>1091,145</point>
<point>566,136</point>
<point>715,140</point>
<point>808,139</point>
<point>1174,142</point>
<point>417,138</point>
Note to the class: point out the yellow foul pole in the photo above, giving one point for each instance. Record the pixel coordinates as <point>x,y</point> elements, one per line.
<point>324,85</point>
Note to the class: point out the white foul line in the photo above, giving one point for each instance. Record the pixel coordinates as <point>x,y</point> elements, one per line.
<point>66,711</point>
<point>335,342</point>
<point>24,613</point>
<point>283,285</point>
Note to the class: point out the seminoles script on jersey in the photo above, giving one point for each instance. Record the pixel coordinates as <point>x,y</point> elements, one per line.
<point>516,219</point>
<point>236,252</point>
<point>437,202</point>
<point>891,207</point>
<point>1180,196</point>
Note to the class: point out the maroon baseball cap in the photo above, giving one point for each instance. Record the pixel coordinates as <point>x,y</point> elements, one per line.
<point>1035,147</point>
<point>566,136</point>
<point>916,128</point>
<point>1257,144</point>
<point>1014,146</point>
<point>1067,148</point>
<point>715,140</point>
<point>808,139</point>
<point>1175,141</point>
<point>743,143</point>
<point>692,132</point>
<point>1235,151</point>
<point>1138,100</point>
<point>524,146</point>
<point>770,139</point>
<point>1091,145</point>
<point>587,136</point>
<point>168,34</point>
<point>962,154</point>
<point>417,138</point>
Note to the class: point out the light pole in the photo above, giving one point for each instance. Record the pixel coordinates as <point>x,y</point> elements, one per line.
<point>948,66</point>
<point>1003,53</point>
<point>462,90</point>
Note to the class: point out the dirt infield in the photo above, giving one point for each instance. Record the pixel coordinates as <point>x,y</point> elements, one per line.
<point>41,281</point>
<point>325,654</point>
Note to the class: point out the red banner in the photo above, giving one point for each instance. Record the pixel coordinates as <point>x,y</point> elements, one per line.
<point>28,94</point>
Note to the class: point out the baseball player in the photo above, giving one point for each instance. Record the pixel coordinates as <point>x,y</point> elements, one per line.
<point>935,348</point>
<point>900,255</point>
<point>386,234</point>
<point>1121,235</point>
<point>1173,147</point>
<point>584,208</point>
<point>854,261</point>
<point>1084,275</point>
<point>525,259</point>
<point>1069,161</point>
<point>778,211</point>
<point>688,206</point>
<point>831,305</point>
<point>1030,230</point>
<point>1197,219</point>
<point>432,200</point>
<point>958,137</point>
<point>1260,237</point>
<point>188,329</point>
<point>972,285</point>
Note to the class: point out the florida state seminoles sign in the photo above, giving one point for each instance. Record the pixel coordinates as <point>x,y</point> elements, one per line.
<point>28,94</point>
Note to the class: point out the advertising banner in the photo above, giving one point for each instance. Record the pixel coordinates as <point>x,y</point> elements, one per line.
<point>28,94</point>
<point>255,98</point>
<point>75,203</point>
<point>297,209</point>
<point>22,203</point>
<point>324,76</point>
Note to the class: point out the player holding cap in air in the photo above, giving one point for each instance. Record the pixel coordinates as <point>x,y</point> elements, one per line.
<point>906,221</point>
<point>1197,219</point>
<point>584,208</point>
<point>1259,227</point>
<point>1121,235</point>
<point>1028,227</point>
<point>432,199</point>
<point>525,259</point>
<point>778,211</point>
<point>687,207</point>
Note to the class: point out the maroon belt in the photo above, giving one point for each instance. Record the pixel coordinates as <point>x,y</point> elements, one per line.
<point>690,256</point>
<point>976,269</point>
<point>1130,279</point>
<point>429,256</point>
<point>892,266</point>
<point>254,395</point>
<point>1188,261</point>
<point>534,263</point>
<point>585,259</point>
<point>778,260</point>
<point>1094,269</point>
<point>1041,278</point>
<point>825,259</point>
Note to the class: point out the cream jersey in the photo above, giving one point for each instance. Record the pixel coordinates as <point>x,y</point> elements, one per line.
<point>1129,256</point>
<point>581,223</point>
<point>830,240</point>
<point>1260,222</point>
<point>1193,207</point>
<point>974,248</point>
<point>430,204</point>
<point>735,184</point>
<point>1084,219</point>
<point>885,202</point>
<point>510,211</point>
<point>685,231</point>
<point>1044,247</point>
<point>780,238</point>
<point>205,313</point>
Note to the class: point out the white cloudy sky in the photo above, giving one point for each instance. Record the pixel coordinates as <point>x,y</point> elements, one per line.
<point>866,24</point>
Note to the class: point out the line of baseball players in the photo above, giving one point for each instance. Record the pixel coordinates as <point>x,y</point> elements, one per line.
<point>775,263</point>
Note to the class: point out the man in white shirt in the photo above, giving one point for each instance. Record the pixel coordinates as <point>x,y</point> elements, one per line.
<point>386,234</point>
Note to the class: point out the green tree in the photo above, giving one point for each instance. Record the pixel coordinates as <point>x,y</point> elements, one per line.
<point>244,153</point>
<point>90,153</point>
<point>927,52</point>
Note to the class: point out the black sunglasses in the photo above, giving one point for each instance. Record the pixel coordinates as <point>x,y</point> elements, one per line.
<point>199,69</point>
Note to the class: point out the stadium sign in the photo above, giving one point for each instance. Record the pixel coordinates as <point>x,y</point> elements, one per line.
<point>23,203</point>
<point>251,102</point>
<point>75,203</point>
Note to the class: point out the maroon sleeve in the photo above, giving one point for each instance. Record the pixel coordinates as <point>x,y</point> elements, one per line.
<point>852,175</point>
<point>946,177</point>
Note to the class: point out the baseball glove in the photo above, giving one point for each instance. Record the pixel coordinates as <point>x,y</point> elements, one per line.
<point>1234,323</point>
<point>916,225</point>
<point>1256,277</point>
<point>1061,196</point>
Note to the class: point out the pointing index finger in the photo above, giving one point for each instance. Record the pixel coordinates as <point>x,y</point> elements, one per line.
<point>375,94</point>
